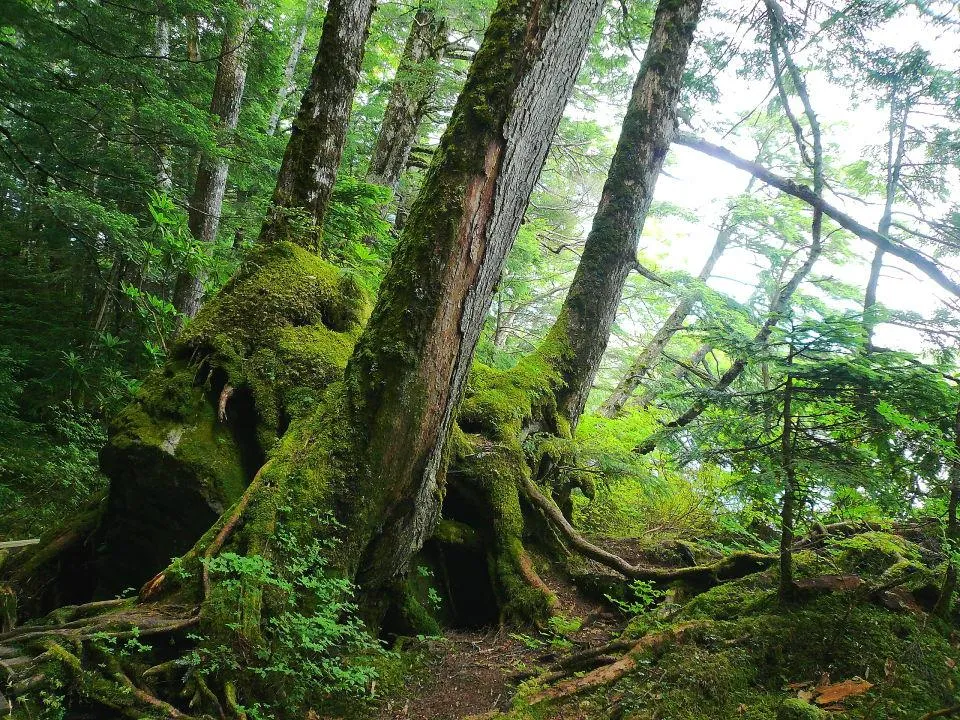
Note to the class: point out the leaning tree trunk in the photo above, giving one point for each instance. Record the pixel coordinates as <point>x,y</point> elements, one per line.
<point>186,448</point>
<point>579,338</point>
<point>312,158</point>
<point>360,467</point>
<point>206,202</point>
<point>413,87</point>
<point>896,148</point>
<point>647,359</point>
<point>518,423</point>
<point>296,48</point>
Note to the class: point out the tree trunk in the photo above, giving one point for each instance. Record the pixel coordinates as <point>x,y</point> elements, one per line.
<point>162,50</point>
<point>778,47</point>
<point>579,338</point>
<point>312,158</point>
<point>287,86</point>
<point>896,148</point>
<point>788,509</point>
<point>777,308</point>
<point>949,587</point>
<point>408,372</point>
<point>517,422</point>
<point>206,202</point>
<point>413,87</point>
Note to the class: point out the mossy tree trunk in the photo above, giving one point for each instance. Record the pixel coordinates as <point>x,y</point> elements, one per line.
<point>206,202</point>
<point>407,375</point>
<point>359,463</point>
<point>312,158</point>
<point>579,338</point>
<point>518,424</point>
<point>413,87</point>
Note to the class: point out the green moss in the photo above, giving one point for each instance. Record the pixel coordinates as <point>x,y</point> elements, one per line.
<point>872,553</point>
<point>740,664</point>
<point>796,709</point>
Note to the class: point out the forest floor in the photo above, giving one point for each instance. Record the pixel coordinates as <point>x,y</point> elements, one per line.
<point>469,672</point>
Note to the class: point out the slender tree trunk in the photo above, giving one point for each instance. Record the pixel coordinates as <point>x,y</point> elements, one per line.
<point>782,62</point>
<point>312,158</point>
<point>206,202</point>
<point>413,87</point>
<point>642,364</point>
<point>949,587</point>
<point>193,38</point>
<point>410,366</point>
<point>896,148</point>
<point>579,338</point>
<point>788,509</point>
<point>777,308</point>
<point>287,85</point>
<point>162,51</point>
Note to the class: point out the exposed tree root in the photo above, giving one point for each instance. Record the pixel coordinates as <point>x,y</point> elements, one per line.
<point>613,671</point>
<point>734,566</point>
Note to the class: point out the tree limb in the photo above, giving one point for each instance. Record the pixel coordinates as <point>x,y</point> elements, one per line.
<point>929,267</point>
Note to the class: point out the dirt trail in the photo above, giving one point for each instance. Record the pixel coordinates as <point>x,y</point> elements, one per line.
<point>470,672</point>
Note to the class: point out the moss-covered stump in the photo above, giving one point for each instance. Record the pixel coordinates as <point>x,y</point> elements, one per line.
<point>258,355</point>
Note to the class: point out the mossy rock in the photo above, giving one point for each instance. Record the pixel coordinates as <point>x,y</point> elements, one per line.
<point>872,553</point>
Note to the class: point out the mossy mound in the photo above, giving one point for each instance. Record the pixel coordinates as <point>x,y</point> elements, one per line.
<point>748,655</point>
<point>259,355</point>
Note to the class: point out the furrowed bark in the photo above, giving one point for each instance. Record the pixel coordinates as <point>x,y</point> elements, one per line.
<point>408,372</point>
<point>579,338</point>
<point>413,86</point>
<point>312,158</point>
<point>206,202</point>
<point>287,86</point>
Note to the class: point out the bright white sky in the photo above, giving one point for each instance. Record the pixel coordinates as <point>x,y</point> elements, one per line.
<point>703,185</point>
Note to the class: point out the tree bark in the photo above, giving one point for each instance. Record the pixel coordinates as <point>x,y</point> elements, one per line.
<point>413,86</point>
<point>781,301</point>
<point>312,158</point>
<point>287,86</point>
<point>407,375</point>
<point>579,338</point>
<point>788,507</point>
<point>206,202</point>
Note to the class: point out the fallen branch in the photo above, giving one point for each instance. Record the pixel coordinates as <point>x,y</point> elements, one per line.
<point>952,710</point>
